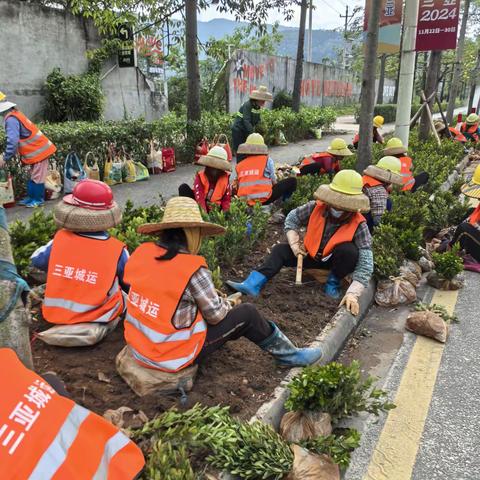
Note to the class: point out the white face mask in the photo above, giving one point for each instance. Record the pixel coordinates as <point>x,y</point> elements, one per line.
<point>336,213</point>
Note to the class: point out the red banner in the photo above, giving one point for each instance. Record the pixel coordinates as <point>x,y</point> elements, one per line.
<point>390,15</point>
<point>437,25</point>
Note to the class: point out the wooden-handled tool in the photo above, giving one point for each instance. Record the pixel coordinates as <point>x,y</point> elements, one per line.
<point>298,278</point>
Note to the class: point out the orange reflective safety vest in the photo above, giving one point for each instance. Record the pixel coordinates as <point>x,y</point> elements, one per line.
<point>474,218</point>
<point>82,283</point>
<point>35,148</point>
<point>406,173</point>
<point>252,182</point>
<point>219,190</point>
<point>318,158</point>
<point>369,181</point>
<point>470,132</point>
<point>46,436</point>
<point>316,227</point>
<point>156,288</point>
<point>457,135</point>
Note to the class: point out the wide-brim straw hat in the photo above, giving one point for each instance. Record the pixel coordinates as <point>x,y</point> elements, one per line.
<point>80,219</point>
<point>182,212</point>
<point>252,149</point>
<point>383,175</point>
<point>342,201</point>
<point>261,93</point>
<point>439,126</point>
<point>344,152</point>
<point>471,189</point>
<point>213,161</point>
<point>394,151</point>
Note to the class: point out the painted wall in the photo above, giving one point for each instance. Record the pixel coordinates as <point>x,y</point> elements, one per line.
<point>321,85</point>
<point>36,39</point>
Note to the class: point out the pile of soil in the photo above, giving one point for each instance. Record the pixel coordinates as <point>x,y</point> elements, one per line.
<point>240,375</point>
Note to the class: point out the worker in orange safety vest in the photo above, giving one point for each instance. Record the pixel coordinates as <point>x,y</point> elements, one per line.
<point>84,263</point>
<point>471,128</point>
<point>378,122</point>
<point>455,134</point>
<point>44,435</point>
<point>25,138</point>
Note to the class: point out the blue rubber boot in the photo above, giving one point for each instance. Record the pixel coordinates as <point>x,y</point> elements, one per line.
<point>333,287</point>
<point>38,195</point>
<point>286,353</point>
<point>29,196</point>
<point>251,286</point>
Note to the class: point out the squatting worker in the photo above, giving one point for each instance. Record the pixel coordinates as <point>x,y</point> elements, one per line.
<point>378,122</point>
<point>471,128</point>
<point>45,435</point>
<point>254,179</point>
<point>326,162</point>
<point>247,118</point>
<point>211,185</point>
<point>34,148</point>
<point>377,183</point>
<point>84,263</point>
<point>395,148</point>
<point>337,239</point>
<point>456,135</point>
<point>174,315</point>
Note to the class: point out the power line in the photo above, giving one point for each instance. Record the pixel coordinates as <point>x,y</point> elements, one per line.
<point>330,6</point>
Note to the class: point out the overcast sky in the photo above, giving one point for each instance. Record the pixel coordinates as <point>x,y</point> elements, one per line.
<point>325,15</point>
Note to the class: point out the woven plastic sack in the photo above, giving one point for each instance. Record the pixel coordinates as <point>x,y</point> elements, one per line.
<point>129,172</point>
<point>93,172</point>
<point>395,291</point>
<point>77,335</point>
<point>113,168</point>
<point>298,426</point>
<point>53,184</point>
<point>309,466</point>
<point>141,172</point>
<point>168,159</point>
<point>144,381</point>
<point>73,172</point>
<point>154,160</point>
<point>428,324</point>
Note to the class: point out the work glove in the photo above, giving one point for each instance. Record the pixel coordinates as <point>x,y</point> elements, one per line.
<point>350,300</point>
<point>235,299</point>
<point>295,244</point>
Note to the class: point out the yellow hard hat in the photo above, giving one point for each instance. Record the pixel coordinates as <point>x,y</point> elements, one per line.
<point>394,143</point>
<point>378,121</point>
<point>347,181</point>
<point>338,146</point>
<point>254,145</point>
<point>255,139</point>
<point>394,147</point>
<point>472,119</point>
<point>389,163</point>
<point>2,96</point>
<point>476,176</point>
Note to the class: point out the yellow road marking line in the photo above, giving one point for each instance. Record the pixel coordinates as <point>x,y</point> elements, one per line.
<point>395,453</point>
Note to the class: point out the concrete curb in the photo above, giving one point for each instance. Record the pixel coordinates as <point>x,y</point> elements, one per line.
<point>455,175</point>
<point>331,340</point>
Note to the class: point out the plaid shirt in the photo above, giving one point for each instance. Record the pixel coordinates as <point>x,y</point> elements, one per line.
<point>299,218</point>
<point>200,294</point>
<point>378,199</point>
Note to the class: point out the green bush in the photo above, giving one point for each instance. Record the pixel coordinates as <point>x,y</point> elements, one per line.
<point>282,99</point>
<point>449,264</point>
<point>306,187</point>
<point>335,389</point>
<point>387,253</point>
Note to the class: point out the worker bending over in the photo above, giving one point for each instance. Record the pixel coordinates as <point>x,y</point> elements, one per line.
<point>172,324</point>
<point>455,134</point>
<point>378,122</point>
<point>254,178</point>
<point>337,239</point>
<point>326,162</point>
<point>212,185</point>
<point>471,128</point>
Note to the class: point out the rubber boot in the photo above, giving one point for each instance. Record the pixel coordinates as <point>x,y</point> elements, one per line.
<point>333,287</point>
<point>29,196</point>
<point>251,286</point>
<point>286,353</point>
<point>38,198</point>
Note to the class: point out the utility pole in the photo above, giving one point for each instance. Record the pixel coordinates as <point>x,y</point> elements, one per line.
<point>407,70</point>
<point>310,33</point>
<point>297,82</point>
<point>473,82</point>
<point>347,18</point>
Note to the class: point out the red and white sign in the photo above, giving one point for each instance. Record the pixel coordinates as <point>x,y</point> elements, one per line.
<point>437,25</point>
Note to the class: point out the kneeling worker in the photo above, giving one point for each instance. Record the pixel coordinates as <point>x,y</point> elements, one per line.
<point>337,239</point>
<point>326,162</point>
<point>172,324</point>
<point>378,122</point>
<point>84,264</point>
<point>456,135</point>
<point>377,181</point>
<point>45,435</point>
<point>471,128</point>
<point>254,179</point>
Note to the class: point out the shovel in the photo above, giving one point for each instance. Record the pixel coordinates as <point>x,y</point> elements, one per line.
<point>298,278</point>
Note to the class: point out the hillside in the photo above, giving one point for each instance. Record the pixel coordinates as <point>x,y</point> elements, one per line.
<point>324,41</point>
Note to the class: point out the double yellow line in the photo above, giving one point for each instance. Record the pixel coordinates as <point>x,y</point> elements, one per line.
<point>395,453</point>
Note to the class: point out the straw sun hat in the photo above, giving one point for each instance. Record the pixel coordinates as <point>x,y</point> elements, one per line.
<point>472,188</point>
<point>182,212</point>
<point>261,93</point>
<point>216,157</point>
<point>90,208</point>
<point>344,193</point>
<point>394,147</point>
<point>386,170</point>
<point>254,145</point>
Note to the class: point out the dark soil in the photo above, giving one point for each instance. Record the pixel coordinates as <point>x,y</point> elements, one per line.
<point>240,375</point>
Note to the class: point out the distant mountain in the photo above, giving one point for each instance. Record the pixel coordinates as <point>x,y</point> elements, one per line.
<point>324,41</point>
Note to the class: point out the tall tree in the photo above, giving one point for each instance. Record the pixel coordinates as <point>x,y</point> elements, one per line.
<point>431,86</point>
<point>367,105</point>
<point>454,87</point>
<point>193,71</point>
<point>297,83</point>
<point>381,82</point>
<point>474,76</point>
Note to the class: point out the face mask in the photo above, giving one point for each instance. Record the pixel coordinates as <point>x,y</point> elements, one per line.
<point>336,213</point>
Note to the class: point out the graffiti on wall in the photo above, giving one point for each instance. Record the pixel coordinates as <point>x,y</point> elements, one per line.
<point>326,88</point>
<point>248,76</point>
